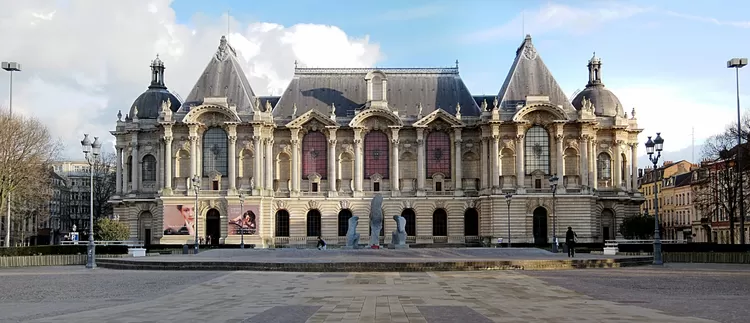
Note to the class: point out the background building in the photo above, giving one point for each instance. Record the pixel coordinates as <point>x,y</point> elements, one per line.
<point>313,157</point>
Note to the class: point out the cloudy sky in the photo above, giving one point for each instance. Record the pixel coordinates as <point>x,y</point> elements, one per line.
<point>85,60</point>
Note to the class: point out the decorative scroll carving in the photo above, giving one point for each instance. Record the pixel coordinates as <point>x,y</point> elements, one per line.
<point>313,205</point>
<point>280,205</point>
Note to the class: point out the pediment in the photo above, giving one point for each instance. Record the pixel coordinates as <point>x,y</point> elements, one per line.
<point>386,114</point>
<point>312,115</point>
<point>213,114</point>
<point>439,115</point>
<point>540,113</point>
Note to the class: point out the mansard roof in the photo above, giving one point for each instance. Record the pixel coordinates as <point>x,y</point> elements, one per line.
<point>407,88</point>
<point>223,77</point>
<point>528,76</point>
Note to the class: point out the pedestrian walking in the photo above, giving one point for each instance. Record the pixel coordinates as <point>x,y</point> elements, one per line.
<point>570,239</point>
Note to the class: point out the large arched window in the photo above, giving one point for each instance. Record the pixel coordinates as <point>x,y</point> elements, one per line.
<point>282,223</point>
<point>215,151</point>
<point>148,168</point>
<point>537,150</point>
<point>313,223</point>
<point>376,154</point>
<point>438,154</point>
<point>439,223</point>
<point>314,154</point>
<point>603,167</point>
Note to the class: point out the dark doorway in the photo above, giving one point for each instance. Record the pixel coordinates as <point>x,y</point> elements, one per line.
<point>344,216</point>
<point>608,224</point>
<point>471,222</point>
<point>147,240</point>
<point>540,226</point>
<point>282,223</point>
<point>213,226</point>
<point>313,223</point>
<point>411,222</point>
<point>439,223</point>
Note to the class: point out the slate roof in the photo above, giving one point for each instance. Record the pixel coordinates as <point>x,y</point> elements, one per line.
<point>529,76</point>
<point>606,103</point>
<point>223,77</point>
<point>481,98</point>
<point>683,179</point>
<point>318,88</point>
<point>149,102</point>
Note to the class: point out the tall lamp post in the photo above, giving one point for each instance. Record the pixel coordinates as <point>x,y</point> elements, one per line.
<point>242,223</point>
<point>508,197</point>
<point>196,187</point>
<point>553,186</point>
<point>658,145</point>
<point>10,67</point>
<point>737,64</point>
<point>91,151</point>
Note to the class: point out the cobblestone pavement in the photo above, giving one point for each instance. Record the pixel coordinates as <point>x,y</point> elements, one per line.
<point>72,294</point>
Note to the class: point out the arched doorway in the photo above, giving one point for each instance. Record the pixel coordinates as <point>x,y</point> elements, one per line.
<point>313,223</point>
<point>213,227</point>
<point>540,226</point>
<point>608,225</point>
<point>344,216</point>
<point>439,223</point>
<point>282,223</point>
<point>145,222</point>
<point>411,222</point>
<point>471,222</point>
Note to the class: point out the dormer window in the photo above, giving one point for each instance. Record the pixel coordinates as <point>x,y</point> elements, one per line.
<point>377,86</point>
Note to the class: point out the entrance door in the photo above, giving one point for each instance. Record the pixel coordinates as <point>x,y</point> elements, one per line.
<point>147,240</point>
<point>540,226</point>
<point>213,226</point>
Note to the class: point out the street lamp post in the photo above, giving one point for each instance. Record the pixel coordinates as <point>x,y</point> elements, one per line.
<point>508,197</point>
<point>736,64</point>
<point>242,223</point>
<point>91,151</point>
<point>553,186</point>
<point>10,67</point>
<point>658,145</point>
<point>196,188</point>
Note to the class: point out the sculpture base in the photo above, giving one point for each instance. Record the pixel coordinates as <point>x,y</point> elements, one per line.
<point>398,246</point>
<point>350,247</point>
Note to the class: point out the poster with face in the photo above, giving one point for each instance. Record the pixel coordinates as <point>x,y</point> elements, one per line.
<point>246,223</point>
<point>179,219</point>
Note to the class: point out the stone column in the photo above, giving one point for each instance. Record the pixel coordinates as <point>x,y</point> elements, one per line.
<point>458,162</point>
<point>258,168</point>
<point>295,161</point>
<point>126,176</point>
<point>617,169</point>
<point>495,162</point>
<point>584,144</point>
<point>483,155</point>
<point>395,164</point>
<point>634,166</point>
<point>332,162</point>
<point>594,180</point>
<point>193,158</point>
<point>232,173</point>
<point>358,162</point>
<point>136,162</point>
<point>520,169</point>
<point>160,167</point>
<point>168,162</point>
<point>420,162</point>
<point>269,165</point>
<point>118,176</point>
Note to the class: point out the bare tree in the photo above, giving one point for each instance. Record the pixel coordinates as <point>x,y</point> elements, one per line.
<point>30,206</point>
<point>104,184</point>
<point>26,150</point>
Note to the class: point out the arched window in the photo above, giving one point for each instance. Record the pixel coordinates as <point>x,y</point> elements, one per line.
<point>471,222</point>
<point>377,88</point>
<point>439,223</point>
<point>313,223</point>
<point>411,222</point>
<point>344,216</point>
<point>624,169</point>
<point>314,154</point>
<point>282,223</point>
<point>603,167</point>
<point>438,154</point>
<point>148,168</point>
<point>376,154</point>
<point>215,151</point>
<point>537,150</point>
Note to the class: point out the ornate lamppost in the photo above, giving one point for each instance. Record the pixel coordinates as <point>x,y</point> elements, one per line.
<point>553,185</point>
<point>242,223</point>
<point>196,188</point>
<point>91,151</point>
<point>508,198</point>
<point>658,145</point>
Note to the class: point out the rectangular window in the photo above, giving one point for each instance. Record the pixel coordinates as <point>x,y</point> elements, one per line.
<point>215,185</point>
<point>376,186</point>
<point>314,187</point>
<point>439,186</point>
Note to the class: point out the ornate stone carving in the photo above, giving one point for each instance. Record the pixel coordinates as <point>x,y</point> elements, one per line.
<point>407,204</point>
<point>572,143</point>
<point>213,119</point>
<point>439,204</point>
<point>313,205</point>
<point>344,204</point>
<point>529,52</point>
<point>280,205</point>
<point>509,144</point>
<point>472,204</point>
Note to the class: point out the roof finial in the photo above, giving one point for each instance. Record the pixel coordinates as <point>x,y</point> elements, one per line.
<point>295,64</point>
<point>456,64</point>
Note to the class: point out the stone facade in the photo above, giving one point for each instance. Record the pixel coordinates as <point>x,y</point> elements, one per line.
<point>306,161</point>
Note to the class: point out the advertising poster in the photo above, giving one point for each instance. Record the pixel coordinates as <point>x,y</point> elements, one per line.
<point>246,223</point>
<point>179,219</point>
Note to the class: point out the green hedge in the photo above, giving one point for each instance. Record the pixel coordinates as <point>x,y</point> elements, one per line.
<point>61,250</point>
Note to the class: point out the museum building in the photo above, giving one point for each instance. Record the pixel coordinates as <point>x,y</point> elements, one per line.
<point>283,170</point>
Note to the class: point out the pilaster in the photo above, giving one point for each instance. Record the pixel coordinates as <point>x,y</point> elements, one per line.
<point>420,162</point>
<point>395,176</point>
<point>332,162</point>
<point>457,141</point>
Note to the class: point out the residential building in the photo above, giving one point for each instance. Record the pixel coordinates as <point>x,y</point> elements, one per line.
<point>310,159</point>
<point>77,177</point>
<point>59,223</point>
<point>650,179</point>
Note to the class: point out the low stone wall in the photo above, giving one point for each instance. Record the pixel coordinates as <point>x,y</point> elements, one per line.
<point>50,260</point>
<point>708,257</point>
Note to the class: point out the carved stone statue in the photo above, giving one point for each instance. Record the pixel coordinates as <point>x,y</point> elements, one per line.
<point>419,110</point>
<point>352,237</point>
<point>252,183</point>
<point>135,112</point>
<point>376,219</point>
<point>333,109</point>
<point>398,237</point>
<point>632,113</point>
<point>294,111</point>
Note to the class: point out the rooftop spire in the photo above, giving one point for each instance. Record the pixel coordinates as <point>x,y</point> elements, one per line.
<point>157,74</point>
<point>595,71</point>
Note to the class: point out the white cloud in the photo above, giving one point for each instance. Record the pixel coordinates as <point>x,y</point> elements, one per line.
<point>85,60</point>
<point>560,18</point>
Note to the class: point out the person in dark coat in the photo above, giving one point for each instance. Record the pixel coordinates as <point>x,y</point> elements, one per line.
<point>570,240</point>
<point>321,244</point>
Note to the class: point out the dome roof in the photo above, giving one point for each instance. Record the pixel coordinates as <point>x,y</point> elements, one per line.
<point>606,103</point>
<point>149,103</point>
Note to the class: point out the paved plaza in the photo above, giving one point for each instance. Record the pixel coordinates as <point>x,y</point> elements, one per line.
<point>675,293</point>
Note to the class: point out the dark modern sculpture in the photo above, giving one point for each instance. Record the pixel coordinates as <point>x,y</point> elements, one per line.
<point>398,237</point>
<point>376,220</point>
<point>352,237</point>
